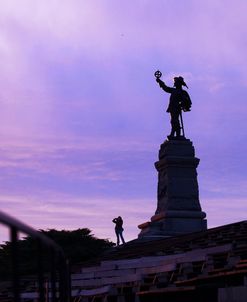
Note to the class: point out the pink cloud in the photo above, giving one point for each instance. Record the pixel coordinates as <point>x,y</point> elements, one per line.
<point>52,156</point>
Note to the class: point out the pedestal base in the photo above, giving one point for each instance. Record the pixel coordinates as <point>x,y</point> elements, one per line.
<point>173,223</point>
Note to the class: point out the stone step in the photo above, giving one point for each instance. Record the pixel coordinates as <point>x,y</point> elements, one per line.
<point>157,269</point>
<point>106,281</point>
<point>102,274</point>
<point>95,291</point>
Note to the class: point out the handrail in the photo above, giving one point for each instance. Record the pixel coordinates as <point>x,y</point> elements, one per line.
<point>24,228</point>
<point>59,274</point>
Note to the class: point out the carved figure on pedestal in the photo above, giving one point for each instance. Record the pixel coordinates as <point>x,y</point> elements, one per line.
<point>162,192</point>
<point>179,101</point>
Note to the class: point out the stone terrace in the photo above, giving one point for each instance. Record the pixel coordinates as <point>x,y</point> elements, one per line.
<point>203,266</point>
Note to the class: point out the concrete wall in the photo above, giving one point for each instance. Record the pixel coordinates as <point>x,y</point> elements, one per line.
<point>232,294</point>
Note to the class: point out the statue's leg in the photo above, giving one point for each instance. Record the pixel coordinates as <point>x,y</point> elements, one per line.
<point>175,125</point>
<point>178,133</point>
<point>171,136</point>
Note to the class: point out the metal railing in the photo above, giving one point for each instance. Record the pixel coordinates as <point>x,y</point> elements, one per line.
<point>58,273</point>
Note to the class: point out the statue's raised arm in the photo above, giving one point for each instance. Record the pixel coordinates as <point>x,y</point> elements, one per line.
<point>158,75</point>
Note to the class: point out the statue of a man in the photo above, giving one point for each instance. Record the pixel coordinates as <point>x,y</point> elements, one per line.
<point>179,100</point>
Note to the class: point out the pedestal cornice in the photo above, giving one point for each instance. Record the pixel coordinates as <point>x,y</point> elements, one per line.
<point>177,161</point>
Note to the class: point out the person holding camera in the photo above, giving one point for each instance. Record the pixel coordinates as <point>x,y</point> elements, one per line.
<point>119,229</point>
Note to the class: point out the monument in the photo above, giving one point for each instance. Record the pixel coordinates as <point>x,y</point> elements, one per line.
<point>178,206</point>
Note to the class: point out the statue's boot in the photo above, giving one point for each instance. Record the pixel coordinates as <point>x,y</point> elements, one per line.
<point>171,136</point>
<point>178,134</point>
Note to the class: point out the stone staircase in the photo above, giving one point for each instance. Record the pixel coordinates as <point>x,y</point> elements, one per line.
<point>119,279</point>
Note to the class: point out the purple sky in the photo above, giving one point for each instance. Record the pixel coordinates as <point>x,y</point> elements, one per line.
<point>82,117</point>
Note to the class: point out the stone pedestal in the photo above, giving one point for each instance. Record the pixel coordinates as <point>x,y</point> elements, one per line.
<point>178,207</point>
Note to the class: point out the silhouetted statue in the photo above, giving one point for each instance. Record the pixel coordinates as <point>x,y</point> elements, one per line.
<point>179,100</point>
<point>119,229</point>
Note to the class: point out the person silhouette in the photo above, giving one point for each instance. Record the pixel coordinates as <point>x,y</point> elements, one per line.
<point>119,229</point>
<point>179,100</point>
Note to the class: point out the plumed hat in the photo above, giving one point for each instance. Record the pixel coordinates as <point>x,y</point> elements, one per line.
<point>180,80</point>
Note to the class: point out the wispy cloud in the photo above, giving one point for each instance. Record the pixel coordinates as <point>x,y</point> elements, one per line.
<point>63,211</point>
<point>85,158</point>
